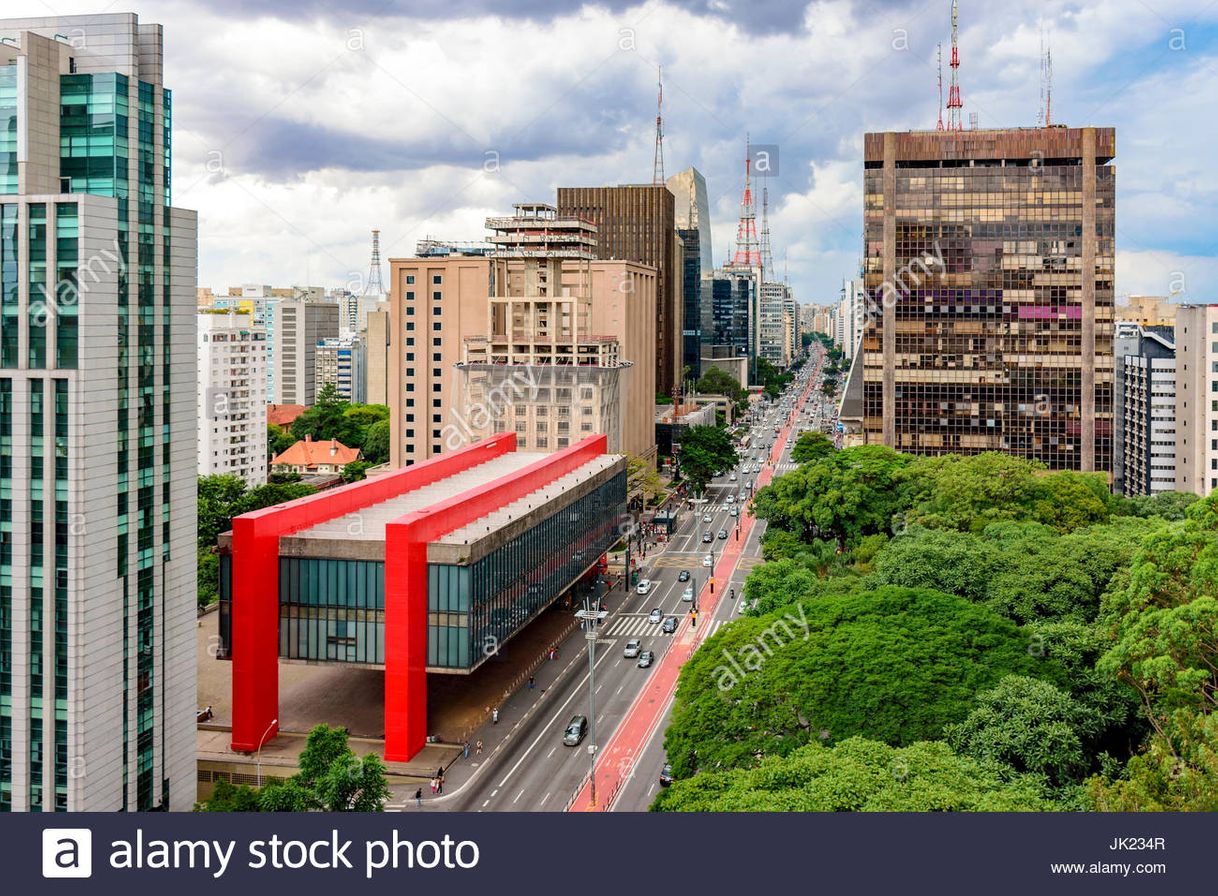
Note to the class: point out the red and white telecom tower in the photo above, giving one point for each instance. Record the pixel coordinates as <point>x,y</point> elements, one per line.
<point>954,105</point>
<point>748,249</point>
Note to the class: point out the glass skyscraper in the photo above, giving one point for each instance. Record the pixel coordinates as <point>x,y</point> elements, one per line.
<point>97,395</point>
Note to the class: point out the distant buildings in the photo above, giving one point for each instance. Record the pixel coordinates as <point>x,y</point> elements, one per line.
<point>1197,398</point>
<point>638,223</point>
<point>301,324</point>
<point>774,330</point>
<point>850,316</point>
<point>692,217</point>
<point>1144,444</point>
<point>341,362</point>
<point>732,296</point>
<point>1147,311</point>
<point>232,406</point>
<point>991,255</point>
<point>98,450</point>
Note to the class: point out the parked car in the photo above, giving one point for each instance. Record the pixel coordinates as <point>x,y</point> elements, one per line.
<point>669,626</point>
<point>655,615</point>
<point>688,594</point>
<point>683,576</point>
<point>644,586</point>
<point>666,774</point>
<point>645,659</point>
<point>633,646</point>
<point>577,728</point>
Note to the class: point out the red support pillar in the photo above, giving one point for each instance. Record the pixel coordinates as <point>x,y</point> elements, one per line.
<point>255,627</point>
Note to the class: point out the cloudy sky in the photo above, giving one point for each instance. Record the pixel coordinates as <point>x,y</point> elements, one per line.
<point>300,125</point>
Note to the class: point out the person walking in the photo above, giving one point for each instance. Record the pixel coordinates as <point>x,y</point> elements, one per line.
<point>440,785</point>
<point>434,783</point>
<point>532,683</point>
<point>478,748</point>
<point>418,798</point>
<point>495,716</point>
<point>465,750</point>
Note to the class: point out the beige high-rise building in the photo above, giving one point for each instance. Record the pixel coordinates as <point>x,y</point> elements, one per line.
<point>1197,398</point>
<point>1147,311</point>
<point>376,370</point>
<point>428,390</point>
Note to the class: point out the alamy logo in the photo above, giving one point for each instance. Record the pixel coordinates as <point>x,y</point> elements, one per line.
<point>67,852</point>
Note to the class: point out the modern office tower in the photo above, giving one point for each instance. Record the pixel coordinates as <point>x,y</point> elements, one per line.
<point>300,325</point>
<point>340,361</point>
<point>539,370</point>
<point>771,328</point>
<point>353,311</point>
<point>1197,398</point>
<point>990,253</point>
<point>376,371</point>
<point>637,223</point>
<point>851,316</point>
<point>692,217</point>
<point>791,327</point>
<point>232,396</point>
<point>97,424</point>
<point>259,302</point>
<point>732,296</point>
<point>1144,411</point>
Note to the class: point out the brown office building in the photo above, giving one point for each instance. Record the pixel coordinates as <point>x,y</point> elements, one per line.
<point>638,223</point>
<point>989,272</point>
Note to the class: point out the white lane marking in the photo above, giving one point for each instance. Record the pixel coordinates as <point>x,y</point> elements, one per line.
<point>543,800</point>
<point>518,796</point>
<point>484,804</point>
<point>551,753</point>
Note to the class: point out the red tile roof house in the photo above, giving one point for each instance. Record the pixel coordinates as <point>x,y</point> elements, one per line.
<point>307,456</point>
<point>283,414</point>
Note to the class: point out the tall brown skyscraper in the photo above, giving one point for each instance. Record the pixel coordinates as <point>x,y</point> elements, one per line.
<point>989,271</point>
<point>638,223</point>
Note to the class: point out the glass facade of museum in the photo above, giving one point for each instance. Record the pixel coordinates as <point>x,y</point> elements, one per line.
<point>333,610</point>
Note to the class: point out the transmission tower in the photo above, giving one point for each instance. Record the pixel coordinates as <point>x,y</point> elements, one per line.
<point>939,126</point>
<point>657,173</point>
<point>748,254</point>
<point>374,285</point>
<point>767,257</point>
<point>954,105</point>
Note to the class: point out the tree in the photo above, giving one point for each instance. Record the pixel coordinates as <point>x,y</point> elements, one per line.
<point>1177,772</point>
<point>890,664</point>
<point>829,387</point>
<point>642,481</point>
<point>331,779</point>
<point>844,496</point>
<point>812,446</point>
<point>859,775</point>
<point>278,440</point>
<point>356,470</point>
<point>945,561</point>
<point>717,381</point>
<point>376,442</point>
<point>1031,726</point>
<point>705,450</point>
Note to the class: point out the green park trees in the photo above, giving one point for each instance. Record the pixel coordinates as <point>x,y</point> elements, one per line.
<point>811,446</point>
<point>705,450</point>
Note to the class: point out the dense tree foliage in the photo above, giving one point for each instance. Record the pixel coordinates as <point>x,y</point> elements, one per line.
<point>859,775</point>
<point>811,446</point>
<point>705,450</point>
<point>1027,621</point>
<point>717,381</point>
<point>892,664</point>
<point>333,418</point>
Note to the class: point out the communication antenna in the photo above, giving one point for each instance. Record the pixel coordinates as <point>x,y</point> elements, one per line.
<point>657,173</point>
<point>954,105</point>
<point>939,126</point>
<point>1046,82</point>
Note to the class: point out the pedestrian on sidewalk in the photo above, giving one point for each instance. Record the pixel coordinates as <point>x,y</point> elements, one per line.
<point>418,798</point>
<point>440,785</point>
<point>434,783</point>
<point>465,750</point>
<point>478,748</point>
<point>532,683</point>
<point>440,773</point>
<point>495,716</point>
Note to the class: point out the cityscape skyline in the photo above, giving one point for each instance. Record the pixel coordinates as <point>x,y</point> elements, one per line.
<point>272,138</point>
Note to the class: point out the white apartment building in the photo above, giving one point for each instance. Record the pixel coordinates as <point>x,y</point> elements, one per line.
<point>232,397</point>
<point>850,317</point>
<point>1197,398</point>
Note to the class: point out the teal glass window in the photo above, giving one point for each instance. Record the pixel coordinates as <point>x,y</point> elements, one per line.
<point>10,296</point>
<point>67,287</point>
<point>8,129</point>
<point>38,309</point>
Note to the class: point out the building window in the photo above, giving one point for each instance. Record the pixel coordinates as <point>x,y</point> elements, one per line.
<point>435,418</point>
<point>409,325</point>
<point>410,278</point>
<point>436,325</point>
<point>435,402</point>
<point>410,311</point>
<point>410,298</point>
<point>435,449</point>
<point>435,278</point>
<point>410,418</point>
<point>437,341</point>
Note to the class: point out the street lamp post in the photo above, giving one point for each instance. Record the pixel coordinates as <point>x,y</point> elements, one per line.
<point>590,618</point>
<point>258,755</point>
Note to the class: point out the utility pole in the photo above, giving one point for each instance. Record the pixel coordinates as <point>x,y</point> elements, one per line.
<point>590,618</point>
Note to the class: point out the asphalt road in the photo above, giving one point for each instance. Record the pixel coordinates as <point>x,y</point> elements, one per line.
<point>532,770</point>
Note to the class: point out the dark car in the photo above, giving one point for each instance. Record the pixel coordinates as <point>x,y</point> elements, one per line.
<point>576,729</point>
<point>684,576</point>
<point>645,659</point>
<point>666,774</point>
<point>723,533</point>
<point>669,626</point>
<point>707,538</point>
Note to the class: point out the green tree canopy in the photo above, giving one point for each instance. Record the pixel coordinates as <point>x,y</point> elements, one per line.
<point>376,442</point>
<point>705,450</point>
<point>859,775</point>
<point>717,381</point>
<point>811,446</point>
<point>890,664</point>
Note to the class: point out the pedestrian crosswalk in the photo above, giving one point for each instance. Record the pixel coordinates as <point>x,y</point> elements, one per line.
<point>784,467</point>
<point>634,626</point>
<point>677,561</point>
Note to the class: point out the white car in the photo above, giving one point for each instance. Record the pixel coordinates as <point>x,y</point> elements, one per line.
<point>708,560</point>
<point>644,586</point>
<point>735,511</point>
<point>633,646</point>
<point>688,594</point>
<point>655,616</point>
<point>732,478</point>
<point>731,499</point>
<point>706,518</point>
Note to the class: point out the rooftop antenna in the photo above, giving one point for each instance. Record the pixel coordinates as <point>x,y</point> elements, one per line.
<point>939,126</point>
<point>1046,82</point>
<point>657,173</point>
<point>767,257</point>
<point>954,105</point>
